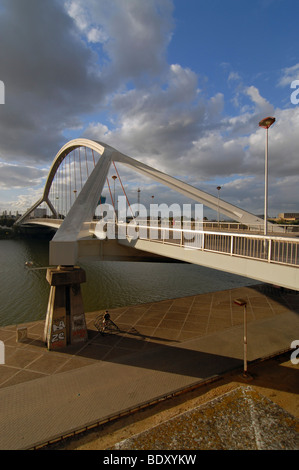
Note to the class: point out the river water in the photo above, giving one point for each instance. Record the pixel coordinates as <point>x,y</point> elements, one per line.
<point>24,291</point>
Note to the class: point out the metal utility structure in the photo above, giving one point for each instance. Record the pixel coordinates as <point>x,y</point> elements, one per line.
<point>266,123</point>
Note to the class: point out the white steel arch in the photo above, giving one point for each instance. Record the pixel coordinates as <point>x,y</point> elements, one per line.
<point>60,156</point>
<point>190,191</point>
<point>76,224</point>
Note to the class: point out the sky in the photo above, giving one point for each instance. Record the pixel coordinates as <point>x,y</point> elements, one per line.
<point>180,85</point>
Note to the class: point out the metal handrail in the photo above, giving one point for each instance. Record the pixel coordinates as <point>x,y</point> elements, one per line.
<point>272,249</point>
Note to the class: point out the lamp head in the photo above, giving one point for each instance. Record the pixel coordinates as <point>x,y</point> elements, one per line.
<point>240,302</point>
<point>267,122</point>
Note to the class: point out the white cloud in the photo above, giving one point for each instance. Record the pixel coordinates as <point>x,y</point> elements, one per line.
<point>288,75</point>
<point>261,104</point>
<point>134,34</point>
<point>97,35</point>
<point>233,76</point>
<point>17,176</point>
<point>20,202</point>
<point>111,57</point>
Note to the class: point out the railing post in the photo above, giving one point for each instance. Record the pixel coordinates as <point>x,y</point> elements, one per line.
<point>231,245</point>
<point>269,250</point>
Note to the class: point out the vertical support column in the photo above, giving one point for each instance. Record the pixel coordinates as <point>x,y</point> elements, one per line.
<point>65,321</point>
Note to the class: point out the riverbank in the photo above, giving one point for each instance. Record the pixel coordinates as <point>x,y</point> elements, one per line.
<point>162,349</point>
<point>273,381</point>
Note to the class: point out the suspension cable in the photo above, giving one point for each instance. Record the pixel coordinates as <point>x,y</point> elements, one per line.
<point>87,173</point>
<point>123,190</point>
<point>75,190</point>
<point>112,200</point>
<point>94,163</point>
<point>59,195</point>
<point>62,186</point>
<point>80,167</point>
<point>70,180</point>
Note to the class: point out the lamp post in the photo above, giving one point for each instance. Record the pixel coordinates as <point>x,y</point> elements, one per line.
<point>243,303</point>
<point>138,193</point>
<point>266,123</point>
<point>218,188</point>
<point>114,178</point>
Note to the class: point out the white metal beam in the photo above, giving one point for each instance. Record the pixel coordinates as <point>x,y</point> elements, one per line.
<point>203,197</point>
<point>63,247</point>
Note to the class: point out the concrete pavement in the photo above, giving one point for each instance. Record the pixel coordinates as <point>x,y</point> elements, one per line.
<point>161,348</point>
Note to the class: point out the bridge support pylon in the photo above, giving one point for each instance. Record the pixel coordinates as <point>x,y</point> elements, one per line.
<point>65,322</point>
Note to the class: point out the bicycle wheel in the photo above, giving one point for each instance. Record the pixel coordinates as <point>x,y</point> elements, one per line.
<point>112,326</point>
<point>99,322</point>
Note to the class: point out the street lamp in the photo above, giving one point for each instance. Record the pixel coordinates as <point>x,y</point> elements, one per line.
<point>138,192</point>
<point>218,188</point>
<point>243,303</point>
<point>114,178</point>
<point>266,123</point>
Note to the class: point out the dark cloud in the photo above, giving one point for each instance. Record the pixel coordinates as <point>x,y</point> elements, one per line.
<point>49,77</point>
<point>17,176</point>
<point>67,63</point>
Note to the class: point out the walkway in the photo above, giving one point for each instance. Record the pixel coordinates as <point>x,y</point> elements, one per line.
<point>162,347</point>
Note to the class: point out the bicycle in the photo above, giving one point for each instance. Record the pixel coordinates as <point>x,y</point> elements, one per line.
<point>104,323</point>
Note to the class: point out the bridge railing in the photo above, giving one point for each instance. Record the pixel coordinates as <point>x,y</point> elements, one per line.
<point>257,228</point>
<point>271,249</point>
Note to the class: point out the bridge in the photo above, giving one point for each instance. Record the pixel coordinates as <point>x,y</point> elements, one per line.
<point>72,199</point>
<point>87,228</point>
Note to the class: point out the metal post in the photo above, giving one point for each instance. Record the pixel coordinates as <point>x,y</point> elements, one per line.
<point>138,192</point>
<point>245,342</point>
<point>266,184</point>
<point>218,188</point>
<point>243,303</point>
<point>266,123</point>
<point>114,178</point>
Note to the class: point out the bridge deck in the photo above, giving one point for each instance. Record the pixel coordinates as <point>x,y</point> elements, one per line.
<point>272,259</point>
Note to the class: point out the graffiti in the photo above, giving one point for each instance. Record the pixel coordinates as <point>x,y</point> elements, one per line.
<point>58,337</point>
<point>78,322</point>
<point>58,331</point>
<point>79,334</point>
<point>60,326</point>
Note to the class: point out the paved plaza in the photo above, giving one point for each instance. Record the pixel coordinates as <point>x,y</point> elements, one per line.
<point>161,348</point>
